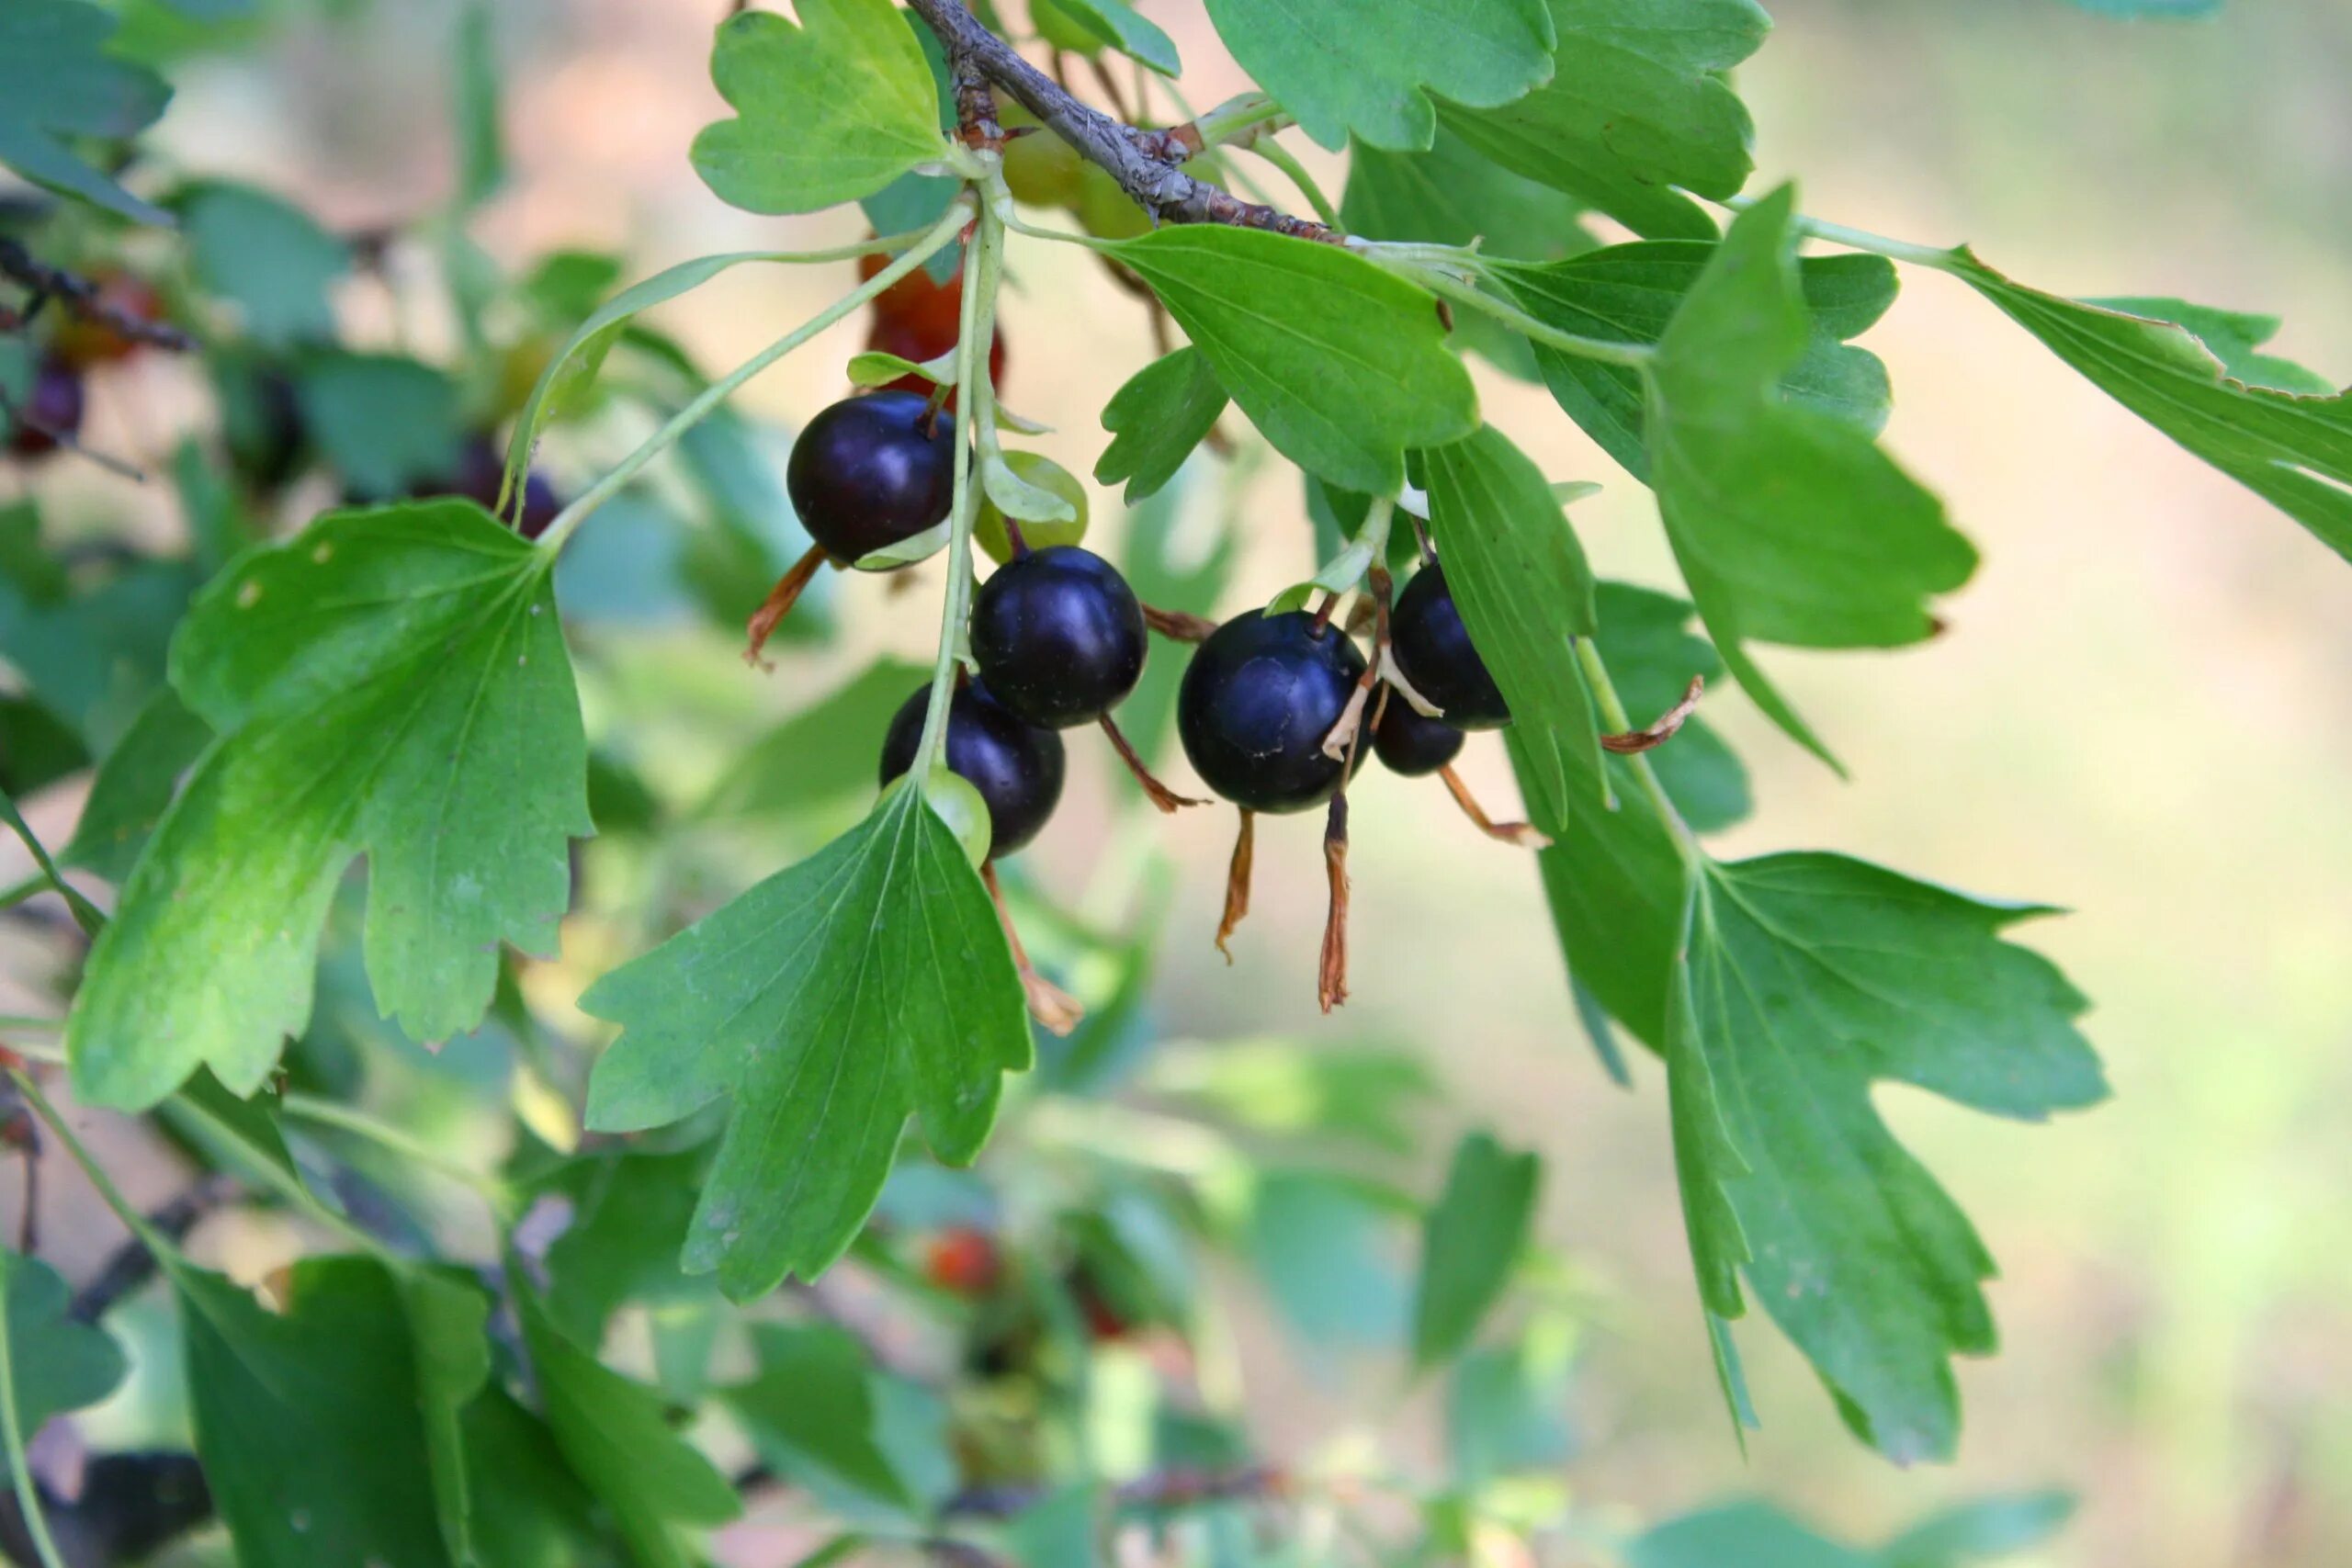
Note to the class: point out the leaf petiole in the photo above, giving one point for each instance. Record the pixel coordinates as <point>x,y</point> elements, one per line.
<point>938,238</point>
<point>1446,286</point>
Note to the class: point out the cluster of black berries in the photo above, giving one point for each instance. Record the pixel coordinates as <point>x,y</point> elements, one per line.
<point>1275,709</point>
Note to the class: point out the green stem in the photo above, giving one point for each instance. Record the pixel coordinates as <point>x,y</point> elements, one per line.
<point>85,914</point>
<point>1281,158</point>
<point>975,409</point>
<point>398,1141</point>
<point>1614,715</point>
<point>1239,122</point>
<point>1861,239</point>
<point>938,238</point>
<point>1367,549</point>
<point>289,1187</point>
<point>1633,356</point>
<point>100,1179</point>
<point>20,1470</point>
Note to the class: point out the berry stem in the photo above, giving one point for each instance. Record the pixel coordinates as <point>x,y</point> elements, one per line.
<point>1166,799</point>
<point>940,235</point>
<point>1524,834</point>
<point>778,604</point>
<point>1236,882</point>
<point>1443,283</point>
<point>1050,1005</point>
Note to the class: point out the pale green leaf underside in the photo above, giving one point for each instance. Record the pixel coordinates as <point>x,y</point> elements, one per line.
<point>392,684</point>
<point>1122,27</point>
<point>1790,526</point>
<point>830,1001</point>
<point>1369,67</point>
<point>1807,980</point>
<point>1341,365</point>
<point>1638,107</point>
<point>2289,441</point>
<point>1165,409</point>
<point>827,112</point>
<point>1516,569</point>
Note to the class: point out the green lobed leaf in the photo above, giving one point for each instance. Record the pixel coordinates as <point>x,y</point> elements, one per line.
<point>55,1363</point>
<point>1805,980</point>
<point>1452,195</point>
<point>1978,1530</point>
<point>2193,374</point>
<point>1519,574</point>
<point>1638,107</point>
<point>133,786</point>
<point>1790,526</point>
<point>1341,365</point>
<point>1166,410</point>
<point>1754,1535</point>
<point>629,1217</point>
<point>1471,1241</point>
<point>1506,1407</point>
<point>1371,68</point>
<point>322,1427</point>
<point>391,682</point>
<point>1321,1245</point>
<point>267,258</point>
<point>611,1430</point>
<point>826,1004</point>
<point>1629,293</point>
<point>1114,24</point>
<point>528,1509</point>
<point>385,425</point>
<point>59,81</point>
<point>827,111</point>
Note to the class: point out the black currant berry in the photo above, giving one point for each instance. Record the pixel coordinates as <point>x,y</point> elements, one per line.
<point>871,471</point>
<point>1410,745</point>
<point>1257,701</point>
<point>1058,636</point>
<point>480,473</point>
<point>1016,766</point>
<point>51,408</point>
<point>1433,650</point>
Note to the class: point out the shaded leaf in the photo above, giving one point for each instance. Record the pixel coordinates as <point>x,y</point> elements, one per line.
<point>266,257</point>
<point>828,1003</point>
<point>58,80</point>
<point>823,752</point>
<point>1470,1242</point>
<point>1652,658</point>
<point>385,425</point>
<point>55,1364</point>
<point>389,682</point>
<point>1114,24</point>
<point>1165,409</point>
<point>133,786</point>
<point>810,1413</point>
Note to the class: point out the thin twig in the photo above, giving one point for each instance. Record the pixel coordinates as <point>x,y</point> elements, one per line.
<point>83,298</point>
<point>131,1264</point>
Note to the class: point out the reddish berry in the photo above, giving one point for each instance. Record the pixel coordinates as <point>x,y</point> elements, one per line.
<point>963,1261</point>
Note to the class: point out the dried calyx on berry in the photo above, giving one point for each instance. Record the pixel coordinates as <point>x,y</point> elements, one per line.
<point>1257,701</point>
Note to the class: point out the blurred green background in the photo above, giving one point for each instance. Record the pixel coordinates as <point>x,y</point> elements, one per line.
<point>2142,711</point>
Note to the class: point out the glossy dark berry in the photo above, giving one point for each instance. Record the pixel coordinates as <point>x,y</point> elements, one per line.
<point>1258,699</point>
<point>1016,766</point>
<point>1059,636</point>
<point>1432,647</point>
<point>51,408</point>
<point>261,419</point>
<point>1410,745</point>
<point>871,471</point>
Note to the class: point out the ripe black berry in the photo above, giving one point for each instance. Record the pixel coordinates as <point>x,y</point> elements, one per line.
<point>1433,650</point>
<point>1058,636</point>
<point>1257,701</point>
<point>871,471</point>
<point>51,408</point>
<point>1410,745</point>
<point>1016,766</point>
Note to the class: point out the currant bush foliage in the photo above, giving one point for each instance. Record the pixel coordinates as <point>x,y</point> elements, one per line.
<point>392,684</point>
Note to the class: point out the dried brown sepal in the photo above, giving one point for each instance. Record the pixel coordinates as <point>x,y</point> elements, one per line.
<point>1179,625</point>
<point>1051,1006</point>
<point>1236,882</point>
<point>1342,736</point>
<point>1524,834</point>
<point>1651,737</point>
<point>778,604</point>
<point>1158,794</point>
<point>1331,972</point>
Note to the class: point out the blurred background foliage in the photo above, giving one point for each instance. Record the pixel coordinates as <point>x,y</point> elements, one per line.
<point>2143,711</point>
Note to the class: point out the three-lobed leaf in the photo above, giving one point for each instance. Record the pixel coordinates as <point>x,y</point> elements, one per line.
<point>1790,526</point>
<point>826,1004</point>
<point>1636,108</point>
<point>1369,68</point>
<point>391,683</point>
<point>827,111</point>
<point>1341,365</point>
<point>1804,980</point>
